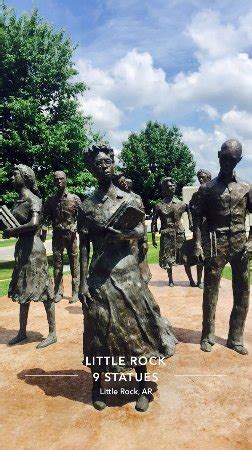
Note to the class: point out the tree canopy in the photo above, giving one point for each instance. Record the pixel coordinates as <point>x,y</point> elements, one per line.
<point>156,152</point>
<point>43,126</point>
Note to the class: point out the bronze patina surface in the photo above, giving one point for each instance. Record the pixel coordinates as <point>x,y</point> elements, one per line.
<point>224,202</point>
<point>60,210</point>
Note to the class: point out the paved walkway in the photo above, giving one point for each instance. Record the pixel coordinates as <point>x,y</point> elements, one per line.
<point>202,401</point>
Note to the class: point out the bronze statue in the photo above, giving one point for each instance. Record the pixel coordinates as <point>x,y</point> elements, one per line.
<point>139,246</point>
<point>121,317</point>
<point>224,202</point>
<point>172,232</point>
<point>61,210</point>
<point>30,280</point>
<point>203,176</point>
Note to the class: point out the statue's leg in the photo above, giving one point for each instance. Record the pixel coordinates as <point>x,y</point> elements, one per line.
<point>213,271</point>
<point>142,403</point>
<point>241,287</point>
<point>189,275</point>
<point>98,399</point>
<point>58,248</point>
<point>72,251</point>
<point>199,275</point>
<point>50,313</point>
<point>23,317</point>
<point>170,277</point>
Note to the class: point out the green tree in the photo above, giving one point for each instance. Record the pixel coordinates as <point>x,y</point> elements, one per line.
<point>43,125</point>
<point>156,152</point>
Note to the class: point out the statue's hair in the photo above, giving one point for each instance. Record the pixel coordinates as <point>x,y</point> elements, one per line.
<point>209,175</point>
<point>232,144</point>
<point>90,154</point>
<point>165,180</point>
<point>60,171</point>
<point>29,178</point>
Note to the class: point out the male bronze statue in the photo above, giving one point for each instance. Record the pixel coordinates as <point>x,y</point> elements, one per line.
<point>224,202</point>
<point>61,210</point>
<point>203,176</point>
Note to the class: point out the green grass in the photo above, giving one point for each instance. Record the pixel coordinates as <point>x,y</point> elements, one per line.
<point>12,241</point>
<point>7,267</point>
<point>7,242</point>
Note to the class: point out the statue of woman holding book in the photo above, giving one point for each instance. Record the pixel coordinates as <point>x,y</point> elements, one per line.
<point>30,280</point>
<point>121,317</point>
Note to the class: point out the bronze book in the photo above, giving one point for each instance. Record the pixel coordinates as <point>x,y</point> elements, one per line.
<point>126,217</point>
<point>7,220</point>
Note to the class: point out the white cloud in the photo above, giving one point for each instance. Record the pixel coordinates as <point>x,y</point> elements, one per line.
<point>211,112</point>
<point>104,113</point>
<point>218,93</point>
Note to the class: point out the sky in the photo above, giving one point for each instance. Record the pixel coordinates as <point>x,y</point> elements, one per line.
<point>181,62</point>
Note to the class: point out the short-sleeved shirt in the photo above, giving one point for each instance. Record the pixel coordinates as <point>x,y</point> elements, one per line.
<point>170,214</point>
<point>61,211</point>
<point>225,205</point>
<point>23,209</point>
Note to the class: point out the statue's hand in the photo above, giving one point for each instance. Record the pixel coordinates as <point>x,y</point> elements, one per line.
<point>43,235</point>
<point>198,252</point>
<point>154,242</point>
<point>8,233</point>
<point>145,248</point>
<point>85,296</point>
<point>249,247</point>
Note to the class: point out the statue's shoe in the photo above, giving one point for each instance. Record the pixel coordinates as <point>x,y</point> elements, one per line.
<point>17,339</point>
<point>74,299</point>
<point>193,284</point>
<point>206,346</point>
<point>57,298</point>
<point>200,285</point>
<point>238,348</point>
<point>171,284</point>
<point>51,339</point>
<point>142,403</point>
<point>98,400</point>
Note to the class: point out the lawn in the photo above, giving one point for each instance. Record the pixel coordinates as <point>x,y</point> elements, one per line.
<point>7,267</point>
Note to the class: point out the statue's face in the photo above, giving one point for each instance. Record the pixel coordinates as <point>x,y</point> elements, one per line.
<point>60,180</point>
<point>203,178</point>
<point>129,184</point>
<point>17,179</point>
<point>228,162</point>
<point>123,184</point>
<point>103,167</point>
<point>168,188</point>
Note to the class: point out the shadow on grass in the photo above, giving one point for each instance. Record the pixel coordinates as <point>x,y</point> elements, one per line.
<point>62,383</point>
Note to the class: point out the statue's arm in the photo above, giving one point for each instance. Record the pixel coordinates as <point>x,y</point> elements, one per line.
<point>21,229</point>
<point>46,219</point>
<point>197,222</point>
<point>84,262</point>
<point>190,219</point>
<point>154,225</point>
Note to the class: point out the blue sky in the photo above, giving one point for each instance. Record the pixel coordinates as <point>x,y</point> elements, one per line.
<point>183,62</point>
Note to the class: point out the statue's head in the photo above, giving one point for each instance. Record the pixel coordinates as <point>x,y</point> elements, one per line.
<point>203,176</point>
<point>24,176</point>
<point>60,180</point>
<point>168,186</point>
<point>229,155</point>
<point>129,184</point>
<point>99,160</point>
